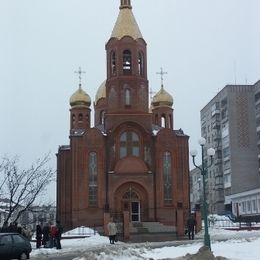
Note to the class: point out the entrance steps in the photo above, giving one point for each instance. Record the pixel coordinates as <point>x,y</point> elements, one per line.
<point>151,227</point>
<point>151,232</point>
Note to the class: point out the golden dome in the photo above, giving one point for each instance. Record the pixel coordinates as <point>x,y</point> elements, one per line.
<point>162,98</point>
<point>80,98</point>
<point>101,92</point>
<point>126,24</point>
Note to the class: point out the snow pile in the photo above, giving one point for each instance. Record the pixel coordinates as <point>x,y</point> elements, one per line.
<point>80,231</point>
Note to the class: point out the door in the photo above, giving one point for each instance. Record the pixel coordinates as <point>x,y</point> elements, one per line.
<point>135,211</point>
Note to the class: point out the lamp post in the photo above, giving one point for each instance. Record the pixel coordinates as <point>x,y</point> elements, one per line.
<point>203,169</point>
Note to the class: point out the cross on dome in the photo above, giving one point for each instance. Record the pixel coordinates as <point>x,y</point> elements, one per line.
<point>161,73</point>
<point>79,72</point>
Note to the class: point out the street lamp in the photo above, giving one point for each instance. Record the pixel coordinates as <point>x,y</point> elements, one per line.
<point>203,169</point>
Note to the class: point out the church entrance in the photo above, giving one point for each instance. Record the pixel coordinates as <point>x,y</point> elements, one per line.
<point>131,202</point>
<point>135,211</point>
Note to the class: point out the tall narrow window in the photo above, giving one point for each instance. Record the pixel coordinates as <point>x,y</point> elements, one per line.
<point>129,144</point>
<point>167,178</point>
<point>127,62</point>
<point>102,117</point>
<point>127,97</point>
<point>163,121</point>
<point>92,180</point>
<point>113,63</point>
<point>80,117</point>
<point>141,63</point>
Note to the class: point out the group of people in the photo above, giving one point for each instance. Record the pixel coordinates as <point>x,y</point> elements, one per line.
<point>14,227</point>
<point>49,235</point>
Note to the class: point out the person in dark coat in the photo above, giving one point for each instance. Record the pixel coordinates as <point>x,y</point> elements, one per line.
<point>191,223</point>
<point>38,236</point>
<point>59,231</point>
<point>46,235</point>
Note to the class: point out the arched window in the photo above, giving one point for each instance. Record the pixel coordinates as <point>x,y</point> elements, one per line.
<point>167,178</point>
<point>141,64</point>
<point>73,120</point>
<point>102,117</point>
<point>163,121</point>
<point>92,179</point>
<point>127,97</point>
<point>129,144</point>
<point>113,63</point>
<point>127,62</point>
<point>80,117</point>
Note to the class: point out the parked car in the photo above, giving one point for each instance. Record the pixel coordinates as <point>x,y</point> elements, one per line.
<point>14,246</point>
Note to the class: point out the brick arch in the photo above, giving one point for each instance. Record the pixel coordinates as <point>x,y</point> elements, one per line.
<point>123,194</point>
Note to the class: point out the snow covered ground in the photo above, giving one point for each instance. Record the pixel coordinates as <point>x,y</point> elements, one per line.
<point>235,245</point>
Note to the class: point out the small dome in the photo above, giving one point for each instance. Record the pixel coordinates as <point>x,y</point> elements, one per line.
<point>101,92</point>
<point>162,98</point>
<point>80,98</point>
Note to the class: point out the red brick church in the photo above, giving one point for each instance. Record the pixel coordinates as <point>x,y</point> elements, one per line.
<point>131,164</point>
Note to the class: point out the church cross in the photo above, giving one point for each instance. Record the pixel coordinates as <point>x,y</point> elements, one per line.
<point>79,72</point>
<point>161,73</point>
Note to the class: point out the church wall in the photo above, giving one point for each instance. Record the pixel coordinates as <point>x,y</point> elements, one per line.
<point>64,187</point>
<point>167,141</point>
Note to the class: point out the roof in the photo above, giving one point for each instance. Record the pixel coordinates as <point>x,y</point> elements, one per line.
<point>126,25</point>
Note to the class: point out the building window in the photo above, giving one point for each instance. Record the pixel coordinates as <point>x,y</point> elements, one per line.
<point>92,181</point>
<point>249,208</point>
<point>129,144</point>
<point>163,121</point>
<point>113,63</point>
<point>102,117</point>
<point>80,117</point>
<point>127,97</point>
<point>127,62</point>
<point>257,96</point>
<point>141,64</point>
<point>167,178</point>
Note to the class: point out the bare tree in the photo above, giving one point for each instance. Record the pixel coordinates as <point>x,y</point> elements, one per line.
<point>21,187</point>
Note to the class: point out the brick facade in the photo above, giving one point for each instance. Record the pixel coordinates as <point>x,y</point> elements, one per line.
<point>126,161</point>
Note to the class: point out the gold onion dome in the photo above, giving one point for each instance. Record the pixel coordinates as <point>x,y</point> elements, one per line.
<point>126,24</point>
<point>101,92</point>
<point>162,98</point>
<point>80,98</point>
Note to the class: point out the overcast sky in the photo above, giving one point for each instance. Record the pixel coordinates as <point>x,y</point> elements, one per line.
<point>202,44</point>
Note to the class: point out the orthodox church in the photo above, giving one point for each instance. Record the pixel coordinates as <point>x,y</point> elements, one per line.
<point>132,164</point>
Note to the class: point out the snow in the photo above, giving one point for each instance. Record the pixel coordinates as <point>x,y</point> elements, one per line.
<point>235,245</point>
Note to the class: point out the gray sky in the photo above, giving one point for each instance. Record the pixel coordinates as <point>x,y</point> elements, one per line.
<point>202,44</point>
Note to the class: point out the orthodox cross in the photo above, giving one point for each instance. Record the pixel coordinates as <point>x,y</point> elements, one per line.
<point>79,72</point>
<point>161,73</point>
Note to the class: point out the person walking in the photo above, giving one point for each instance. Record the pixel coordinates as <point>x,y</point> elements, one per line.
<point>112,230</point>
<point>59,231</point>
<point>191,223</point>
<point>38,236</point>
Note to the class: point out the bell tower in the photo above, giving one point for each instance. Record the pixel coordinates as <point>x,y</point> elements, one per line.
<point>127,84</point>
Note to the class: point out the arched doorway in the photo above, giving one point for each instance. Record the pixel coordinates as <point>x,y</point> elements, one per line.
<point>131,201</point>
<point>132,197</point>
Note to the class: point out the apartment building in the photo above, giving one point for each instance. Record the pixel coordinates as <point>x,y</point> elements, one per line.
<point>230,123</point>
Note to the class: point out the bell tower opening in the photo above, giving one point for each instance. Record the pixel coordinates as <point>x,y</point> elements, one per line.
<point>127,62</point>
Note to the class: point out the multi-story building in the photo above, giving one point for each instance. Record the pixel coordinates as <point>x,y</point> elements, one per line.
<point>229,123</point>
